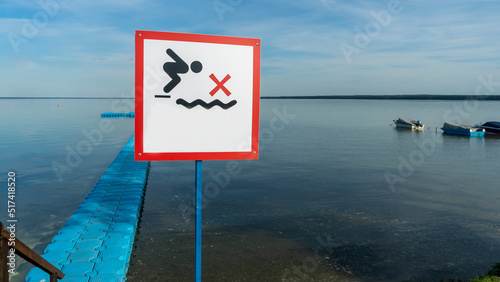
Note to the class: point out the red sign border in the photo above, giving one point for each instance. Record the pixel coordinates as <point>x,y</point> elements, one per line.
<point>140,155</point>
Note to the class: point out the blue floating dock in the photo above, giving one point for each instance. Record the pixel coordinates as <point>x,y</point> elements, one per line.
<point>111,115</point>
<point>96,242</point>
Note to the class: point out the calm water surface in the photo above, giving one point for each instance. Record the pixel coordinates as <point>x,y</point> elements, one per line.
<point>35,135</point>
<point>337,194</point>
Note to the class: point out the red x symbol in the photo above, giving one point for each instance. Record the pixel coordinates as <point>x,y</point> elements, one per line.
<point>220,85</point>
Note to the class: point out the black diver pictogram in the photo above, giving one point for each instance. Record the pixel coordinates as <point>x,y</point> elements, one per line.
<point>173,69</point>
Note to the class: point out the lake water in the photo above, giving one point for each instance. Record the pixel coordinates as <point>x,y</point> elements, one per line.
<point>38,134</point>
<point>338,194</point>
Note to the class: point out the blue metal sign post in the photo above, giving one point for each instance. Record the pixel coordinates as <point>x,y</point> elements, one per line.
<point>199,198</point>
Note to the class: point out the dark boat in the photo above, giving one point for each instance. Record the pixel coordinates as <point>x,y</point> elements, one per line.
<point>460,129</point>
<point>491,127</point>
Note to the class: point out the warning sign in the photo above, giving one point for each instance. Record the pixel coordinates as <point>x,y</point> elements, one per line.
<point>197,97</point>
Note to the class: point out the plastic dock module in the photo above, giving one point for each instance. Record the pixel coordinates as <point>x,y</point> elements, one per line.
<point>111,115</point>
<point>96,242</point>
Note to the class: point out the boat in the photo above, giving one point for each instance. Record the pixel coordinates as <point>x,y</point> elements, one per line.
<point>491,127</point>
<point>460,129</point>
<point>409,123</point>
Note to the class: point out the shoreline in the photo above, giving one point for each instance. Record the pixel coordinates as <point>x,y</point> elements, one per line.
<point>53,98</point>
<point>339,97</point>
<point>393,97</point>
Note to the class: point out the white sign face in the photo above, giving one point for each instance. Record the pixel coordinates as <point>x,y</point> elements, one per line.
<point>196,99</point>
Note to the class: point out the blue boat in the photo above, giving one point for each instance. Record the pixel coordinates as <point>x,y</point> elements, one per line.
<point>460,129</point>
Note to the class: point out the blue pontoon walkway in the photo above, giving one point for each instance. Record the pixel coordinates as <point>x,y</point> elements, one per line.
<point>96,242</point>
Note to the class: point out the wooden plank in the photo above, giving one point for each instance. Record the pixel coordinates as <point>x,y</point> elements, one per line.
<point>4,268</point>
<point>29,255</point>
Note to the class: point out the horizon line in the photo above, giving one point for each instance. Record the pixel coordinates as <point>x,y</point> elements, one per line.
<point>368,97</point>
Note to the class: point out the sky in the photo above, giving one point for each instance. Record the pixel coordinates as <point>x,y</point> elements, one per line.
<point>85,48</point>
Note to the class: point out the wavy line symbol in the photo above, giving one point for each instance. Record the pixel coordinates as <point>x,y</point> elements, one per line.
<point>199,102</point>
